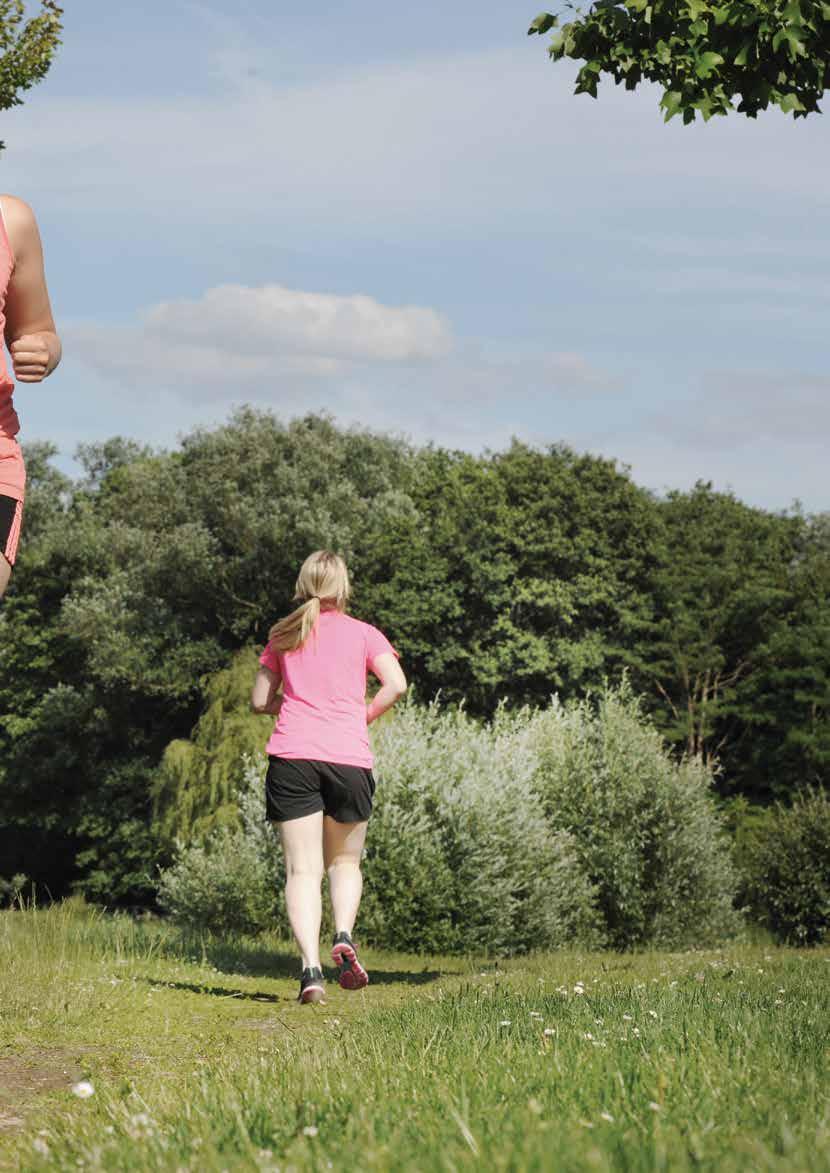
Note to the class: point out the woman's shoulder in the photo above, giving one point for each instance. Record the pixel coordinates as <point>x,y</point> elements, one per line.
<point>358,626</point>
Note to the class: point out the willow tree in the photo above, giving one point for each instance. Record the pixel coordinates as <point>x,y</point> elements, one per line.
<point>195,788</point>
<point>709,56</point>
<point>27,48</point>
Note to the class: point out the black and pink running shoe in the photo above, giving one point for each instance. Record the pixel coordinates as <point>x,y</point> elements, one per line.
<point>311,986</point>
<point>352,975</point>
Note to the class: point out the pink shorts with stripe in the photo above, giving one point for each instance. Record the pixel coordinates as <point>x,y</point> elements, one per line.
<point>12,492</point>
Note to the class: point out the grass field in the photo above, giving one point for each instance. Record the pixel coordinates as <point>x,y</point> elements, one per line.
<point>200,1058</point>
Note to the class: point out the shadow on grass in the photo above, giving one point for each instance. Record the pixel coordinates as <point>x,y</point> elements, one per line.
<point>238,958</point>
<point>249,960</point>
<point>376,978</point>
<point>217,991</point>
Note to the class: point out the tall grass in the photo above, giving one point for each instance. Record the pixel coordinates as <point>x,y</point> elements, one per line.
<point>713,1060</point>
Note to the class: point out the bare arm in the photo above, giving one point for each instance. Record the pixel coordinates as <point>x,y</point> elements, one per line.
<point>392,685</point>
<point>30,328</point>
<point>264,697</point>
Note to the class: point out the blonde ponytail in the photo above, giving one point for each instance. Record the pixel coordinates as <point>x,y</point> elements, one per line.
<point>290,633</point>
<point>323,578</point>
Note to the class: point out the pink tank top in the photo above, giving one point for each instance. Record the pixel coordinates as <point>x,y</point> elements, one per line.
<point>9,424</point>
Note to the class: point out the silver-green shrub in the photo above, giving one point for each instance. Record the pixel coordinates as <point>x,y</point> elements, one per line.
<point>460,857</point>
<point>647,830</point>
<point>231,881</point>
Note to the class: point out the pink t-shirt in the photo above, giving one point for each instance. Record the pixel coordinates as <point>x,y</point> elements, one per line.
<point>323,713</point>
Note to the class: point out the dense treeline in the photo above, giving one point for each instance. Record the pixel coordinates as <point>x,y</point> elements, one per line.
<point>508,576</point>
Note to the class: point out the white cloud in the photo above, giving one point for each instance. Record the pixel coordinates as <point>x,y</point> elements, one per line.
<point>234,332</point>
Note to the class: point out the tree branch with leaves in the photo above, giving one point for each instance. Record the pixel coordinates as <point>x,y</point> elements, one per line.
<point>709,56</point>
<point>27,48</point>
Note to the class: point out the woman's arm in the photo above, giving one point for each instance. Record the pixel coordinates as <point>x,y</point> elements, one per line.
<point>264,695</point>
<point>392,685</point>
<point>30,328</point>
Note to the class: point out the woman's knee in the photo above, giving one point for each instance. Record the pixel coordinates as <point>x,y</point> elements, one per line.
<point>343,861</point>
<point>310,869</point>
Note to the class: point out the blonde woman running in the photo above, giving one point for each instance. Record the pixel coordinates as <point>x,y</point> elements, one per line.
<point>319,784</point>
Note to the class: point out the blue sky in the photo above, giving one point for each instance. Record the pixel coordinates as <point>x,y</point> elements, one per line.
<point>402,215</point>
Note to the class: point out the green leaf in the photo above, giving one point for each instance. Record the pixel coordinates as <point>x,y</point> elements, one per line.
<point>707,63</point>
<point>648,14</point>
<point>791,103</point>
<point>671,102</point>
<point>557,43</point>
<point>543,24</point>
<point>697,8</point>
<point>742,56</point>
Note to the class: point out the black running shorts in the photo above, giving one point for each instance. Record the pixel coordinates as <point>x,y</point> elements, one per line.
<point>295,787</point>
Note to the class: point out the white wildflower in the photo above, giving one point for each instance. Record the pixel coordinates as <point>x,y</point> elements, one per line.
<point>628,1018</point>
<point>636,1032</point>
<point>654,1107</point>
<point>40,1146</point>
<point>606,1116</point>
<point>505,1022</point>
<point>310,1130</point>
<point>536,1014</point>
<point>83,1090</point>
<point>549,1031</point>
<point>587,1035</point>
<point>653,1013</point>
<point>579,990</point>
<point>673,983</point>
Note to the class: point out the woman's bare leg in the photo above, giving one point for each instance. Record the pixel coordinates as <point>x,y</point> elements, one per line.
<point>5,575</point>
<point>343,847</point>
<point>302,844</point>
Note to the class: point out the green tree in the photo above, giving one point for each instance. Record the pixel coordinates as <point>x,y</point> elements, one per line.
<point>722,586</point>
<point>514,575</point>
<point>195,788</point>
<point>27,47</point>
<point>709,56</point>
<point>785,704</point>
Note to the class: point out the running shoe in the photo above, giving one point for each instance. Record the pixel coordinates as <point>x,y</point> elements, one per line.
<point>311,986</point>
<point>351,975</point>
